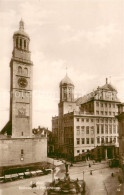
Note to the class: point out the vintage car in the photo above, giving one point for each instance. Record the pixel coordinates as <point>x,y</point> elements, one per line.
<point>7,178</point>
<point>20,175</point>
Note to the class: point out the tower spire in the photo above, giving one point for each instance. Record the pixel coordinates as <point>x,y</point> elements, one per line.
<point>21,25</point>
<point>106,80</point>
<point>66,70</point>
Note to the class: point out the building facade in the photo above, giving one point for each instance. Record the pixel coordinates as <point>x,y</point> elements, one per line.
<point>18,146</point>
<point>120,118</point>
<point>86,122</point>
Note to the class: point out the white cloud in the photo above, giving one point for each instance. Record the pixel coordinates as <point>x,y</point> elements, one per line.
<point>83,35</point>
<point>101,35</point>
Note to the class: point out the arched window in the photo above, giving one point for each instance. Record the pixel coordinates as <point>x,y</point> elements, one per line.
<point>20,43</point>
<point>20,70</point>
<point>25,44</point>
<point>17,42</point>
<point>26,71</point>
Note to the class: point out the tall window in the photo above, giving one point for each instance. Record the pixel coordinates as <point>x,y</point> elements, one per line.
<point>102,129</point>
<point>102,140</point>
<point>83,140</point>
<point>106,129</point>
<point>98,140</point>
<point>20,70</point>
<point>20,43</point>
<point>97,129</point>
<point>97,112</point>
<point>87,140</point>
<point>78,130</point>
<point>114,140</point>
<point>17,42</point>
<point>83,129</point>
<point>78,141</point>
<point>106,139</point>
<point>110,139</point>
<point>92,130</point>
<point>110,129</point>
<point>22,152</point>
<point>87,130</point>
<point>26,71</point>
<point>97,103</point>
<point>24,43</point>
<point>97,120</point>
<point>65,93</point>
<point>92,140</point>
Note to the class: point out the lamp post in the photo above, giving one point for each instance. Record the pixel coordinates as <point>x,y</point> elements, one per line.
<point>83,175</point>
<point>53,172</point>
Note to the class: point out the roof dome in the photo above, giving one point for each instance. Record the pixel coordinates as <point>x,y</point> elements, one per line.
<point>108,86</point>
<point>66,81</point>
<point>21,30</point>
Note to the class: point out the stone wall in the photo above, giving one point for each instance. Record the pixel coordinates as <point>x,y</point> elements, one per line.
<point>22,151</point>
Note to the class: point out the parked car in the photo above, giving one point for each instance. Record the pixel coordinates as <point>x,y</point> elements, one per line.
<point>39,172</point>
<point>14,176</point>
<point>27,174</point>
<point>47,171</point>
<point>7,178</point>
<point>33,173</point>
<point>2,179</point>
<point>20,175</point>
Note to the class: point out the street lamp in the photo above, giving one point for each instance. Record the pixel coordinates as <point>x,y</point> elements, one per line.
<point>83,175</point>
<point>53,172</point>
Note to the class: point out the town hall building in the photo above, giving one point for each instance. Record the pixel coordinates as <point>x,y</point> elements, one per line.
<point>87,122</point>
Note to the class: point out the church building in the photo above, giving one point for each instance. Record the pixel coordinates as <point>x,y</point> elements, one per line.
<point>17,144</point>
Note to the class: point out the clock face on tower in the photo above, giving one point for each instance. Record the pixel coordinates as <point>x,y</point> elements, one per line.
<point>22,82</point>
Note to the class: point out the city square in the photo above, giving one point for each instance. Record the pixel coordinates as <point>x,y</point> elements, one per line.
<point>62,111</point>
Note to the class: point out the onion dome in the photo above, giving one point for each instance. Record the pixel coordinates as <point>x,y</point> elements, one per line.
<point>21,30</point>
<point>66,81</point>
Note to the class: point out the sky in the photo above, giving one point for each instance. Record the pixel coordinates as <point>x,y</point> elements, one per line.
<point>86,36</point>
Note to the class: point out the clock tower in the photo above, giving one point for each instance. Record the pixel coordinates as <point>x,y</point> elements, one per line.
<point>21,85</point>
